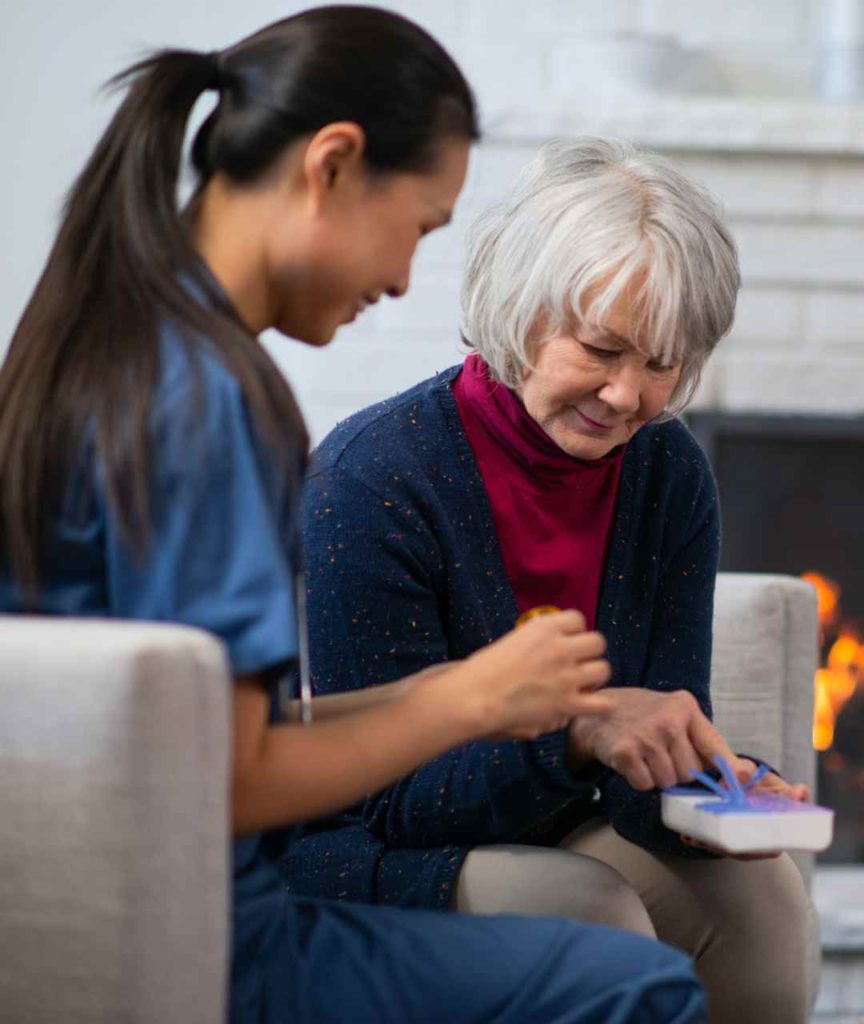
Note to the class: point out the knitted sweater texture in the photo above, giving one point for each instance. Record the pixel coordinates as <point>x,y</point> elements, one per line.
<point>404,571</point>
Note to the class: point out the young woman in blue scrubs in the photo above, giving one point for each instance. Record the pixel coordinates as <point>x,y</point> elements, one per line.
<point>150,458</point>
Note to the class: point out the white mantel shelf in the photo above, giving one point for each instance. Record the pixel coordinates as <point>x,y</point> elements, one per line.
<point>706,124</point>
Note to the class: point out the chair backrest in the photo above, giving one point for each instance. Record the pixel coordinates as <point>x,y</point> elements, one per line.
<point>114,746</point>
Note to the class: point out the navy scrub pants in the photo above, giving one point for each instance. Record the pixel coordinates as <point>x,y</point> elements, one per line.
<point>301,961</point>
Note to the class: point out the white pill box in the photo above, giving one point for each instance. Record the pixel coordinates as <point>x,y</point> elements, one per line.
<point>762,824</point>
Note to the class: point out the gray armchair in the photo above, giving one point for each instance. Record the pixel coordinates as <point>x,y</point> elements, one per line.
<point>114,798</point>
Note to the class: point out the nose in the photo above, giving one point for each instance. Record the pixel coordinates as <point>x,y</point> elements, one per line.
<point>622,391</point>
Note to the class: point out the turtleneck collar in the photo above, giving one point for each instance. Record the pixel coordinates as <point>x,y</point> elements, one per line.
<point>503,416</point>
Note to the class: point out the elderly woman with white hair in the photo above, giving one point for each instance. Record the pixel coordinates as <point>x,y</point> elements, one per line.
<point>549,469</point>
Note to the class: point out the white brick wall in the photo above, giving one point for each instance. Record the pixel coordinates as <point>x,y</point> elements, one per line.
<point>798,342</point>
<point>799,339</point>
<point>834,320</point>
<point>742,23</point>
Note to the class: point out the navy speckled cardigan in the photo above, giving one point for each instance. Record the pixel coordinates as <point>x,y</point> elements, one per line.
<point>404,571</point>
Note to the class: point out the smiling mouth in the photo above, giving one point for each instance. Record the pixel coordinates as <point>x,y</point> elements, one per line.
<point>359,307</point>
<point>594,425</point>
<point>365,301</point>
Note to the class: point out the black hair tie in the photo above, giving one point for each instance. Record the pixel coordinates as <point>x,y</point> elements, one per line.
<point>216,80</point>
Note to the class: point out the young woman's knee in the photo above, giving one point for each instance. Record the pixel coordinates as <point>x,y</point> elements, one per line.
<point>635,980</point>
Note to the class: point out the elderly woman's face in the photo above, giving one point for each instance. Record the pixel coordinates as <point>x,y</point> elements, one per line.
<point>592,388</point>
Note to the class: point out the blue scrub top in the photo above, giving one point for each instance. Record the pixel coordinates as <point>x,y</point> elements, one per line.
<point>222,526</point>
<point>222,531</point>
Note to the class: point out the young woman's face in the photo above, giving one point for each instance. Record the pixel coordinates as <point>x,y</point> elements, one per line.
<point>360,244</point>
<point>592,388</point>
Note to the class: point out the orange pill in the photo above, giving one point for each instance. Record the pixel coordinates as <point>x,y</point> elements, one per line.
<point>532,613</point>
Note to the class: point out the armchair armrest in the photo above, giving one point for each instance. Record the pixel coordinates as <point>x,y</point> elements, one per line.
<point>114,801</point>
<point>765,655</point>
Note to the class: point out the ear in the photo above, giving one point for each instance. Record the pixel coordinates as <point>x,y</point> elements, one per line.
<point>333,159</point>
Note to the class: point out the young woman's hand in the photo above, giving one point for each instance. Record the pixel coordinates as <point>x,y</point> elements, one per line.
<point>361,741</point>
<point>536,678</point>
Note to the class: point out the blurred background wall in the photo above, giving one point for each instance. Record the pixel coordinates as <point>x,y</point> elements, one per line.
<point>736,92</point>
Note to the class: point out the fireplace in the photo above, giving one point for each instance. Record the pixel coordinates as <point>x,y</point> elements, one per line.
<point>792,501</point>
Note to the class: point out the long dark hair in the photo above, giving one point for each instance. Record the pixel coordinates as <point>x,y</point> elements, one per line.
<point>85,355</point>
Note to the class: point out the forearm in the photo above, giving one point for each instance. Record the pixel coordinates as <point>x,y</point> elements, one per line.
<point>336,705</point>
<point>298,773</point>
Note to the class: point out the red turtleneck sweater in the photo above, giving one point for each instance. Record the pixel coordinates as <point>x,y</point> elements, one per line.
<point>553,513</point>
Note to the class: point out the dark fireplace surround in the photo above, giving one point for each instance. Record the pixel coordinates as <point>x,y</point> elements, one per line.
<point>792,501</point>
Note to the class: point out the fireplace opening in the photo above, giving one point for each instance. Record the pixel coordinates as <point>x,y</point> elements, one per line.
<point>792,501</point>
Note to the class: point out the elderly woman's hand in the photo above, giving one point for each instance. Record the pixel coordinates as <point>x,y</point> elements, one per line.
<point>771,784</point>
<point>652,739</point>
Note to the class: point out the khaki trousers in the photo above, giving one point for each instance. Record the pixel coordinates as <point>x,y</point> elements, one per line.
<point>749,926</point>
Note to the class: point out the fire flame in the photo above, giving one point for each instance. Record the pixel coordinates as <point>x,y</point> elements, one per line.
<point>838,679</point>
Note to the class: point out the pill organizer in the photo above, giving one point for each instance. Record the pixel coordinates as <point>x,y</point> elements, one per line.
<point>729,817</point>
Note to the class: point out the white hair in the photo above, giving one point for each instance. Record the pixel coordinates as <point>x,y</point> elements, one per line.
<point>587,219</point>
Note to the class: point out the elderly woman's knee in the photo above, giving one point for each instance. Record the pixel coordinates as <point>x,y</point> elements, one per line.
<point>531,880</point>
<point>610,899</point>
<point>763,913</point>
<point>773,893</point>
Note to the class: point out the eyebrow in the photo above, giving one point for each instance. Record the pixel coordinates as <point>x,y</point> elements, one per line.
<point>613,336</point>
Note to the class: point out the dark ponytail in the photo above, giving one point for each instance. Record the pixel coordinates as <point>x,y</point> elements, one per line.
<point>85,356</point>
